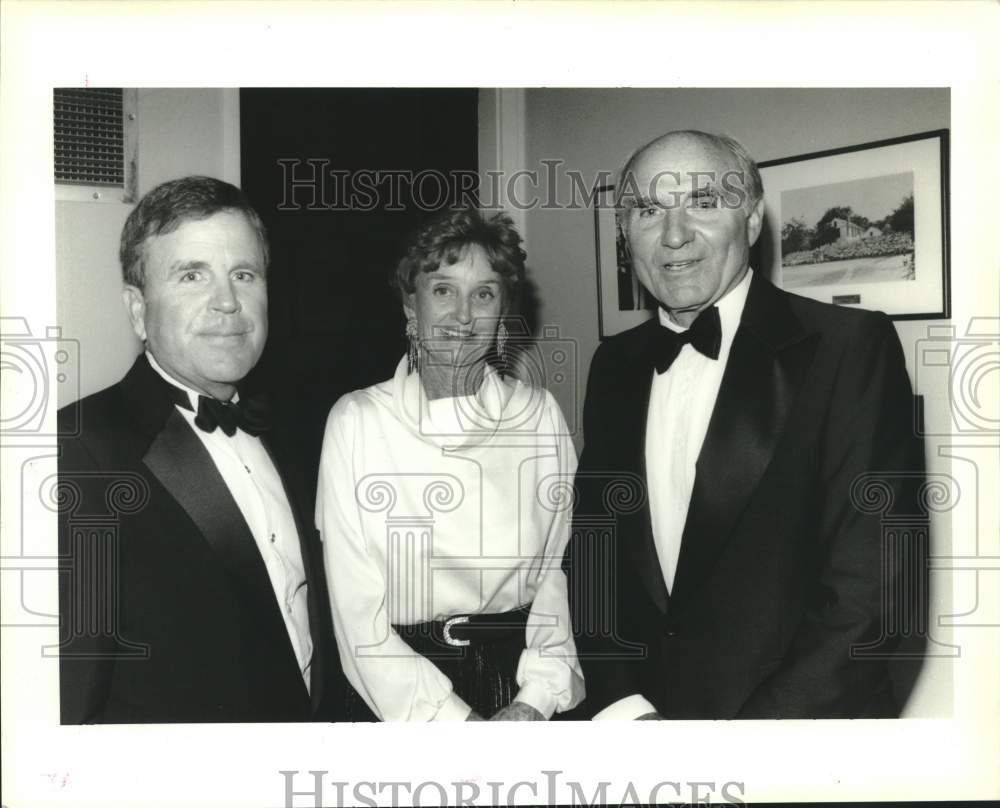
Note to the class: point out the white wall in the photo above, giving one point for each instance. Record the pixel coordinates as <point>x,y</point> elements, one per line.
<point>594,129</point>
<point>180,132</point>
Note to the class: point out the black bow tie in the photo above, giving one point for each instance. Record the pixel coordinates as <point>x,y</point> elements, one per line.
<point>252,414</point>
<point>704,335</point>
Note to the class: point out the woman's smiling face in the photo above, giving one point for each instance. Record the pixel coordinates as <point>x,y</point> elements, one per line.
<point>457,309</point>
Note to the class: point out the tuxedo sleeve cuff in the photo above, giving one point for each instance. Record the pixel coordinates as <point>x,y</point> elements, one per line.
<point>453,709</point>
<point>538,696</point>
<point>626,709</point>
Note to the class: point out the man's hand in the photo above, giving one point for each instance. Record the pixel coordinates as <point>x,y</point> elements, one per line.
<point>518,711</point>
<point>650,717</point>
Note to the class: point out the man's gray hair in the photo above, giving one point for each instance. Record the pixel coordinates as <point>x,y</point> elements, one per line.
<point>171,204</point>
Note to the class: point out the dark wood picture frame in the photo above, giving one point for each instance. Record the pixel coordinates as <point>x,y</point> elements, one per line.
<point>866,258</point>
<point>621,300</point>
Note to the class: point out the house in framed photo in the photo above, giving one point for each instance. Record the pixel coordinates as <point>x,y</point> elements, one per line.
<point>849,231</point>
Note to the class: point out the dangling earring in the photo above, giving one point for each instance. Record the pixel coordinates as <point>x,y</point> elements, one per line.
<point>413,346</point>
<point>502,343</point>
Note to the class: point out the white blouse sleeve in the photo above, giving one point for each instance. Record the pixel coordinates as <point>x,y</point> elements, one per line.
<point>396,682</point>
<point>549,674</point>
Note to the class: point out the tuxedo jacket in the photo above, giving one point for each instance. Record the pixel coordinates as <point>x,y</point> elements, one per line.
<point>167,612</point>
<point>799,569</point>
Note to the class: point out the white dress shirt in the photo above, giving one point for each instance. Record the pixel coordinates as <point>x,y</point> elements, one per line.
<point>434,509</point>
<point>255,485</point>
<point>681,402</point>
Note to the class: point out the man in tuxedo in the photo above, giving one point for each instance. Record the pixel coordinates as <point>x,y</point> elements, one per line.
<point>743,450</point>
<point>191,589</point>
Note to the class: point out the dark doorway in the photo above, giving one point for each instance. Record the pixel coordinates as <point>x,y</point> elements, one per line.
<point>336,177</point>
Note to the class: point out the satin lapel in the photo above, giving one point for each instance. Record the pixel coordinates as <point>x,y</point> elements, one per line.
<point>317,669</point>
<point>179,460</point>
<point>182,464</point>
<point>631,429</point>
<point>148,400</point>
<point>767,363</point>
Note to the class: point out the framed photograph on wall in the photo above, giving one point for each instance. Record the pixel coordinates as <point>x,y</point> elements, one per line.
<point>863,226</point>
<point>622,302</point>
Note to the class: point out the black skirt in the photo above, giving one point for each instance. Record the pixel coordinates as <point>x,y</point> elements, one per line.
<point>482,672</point>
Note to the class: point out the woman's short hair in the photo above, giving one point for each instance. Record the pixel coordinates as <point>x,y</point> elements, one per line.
<point>170,205</point>
<point>444,240</point>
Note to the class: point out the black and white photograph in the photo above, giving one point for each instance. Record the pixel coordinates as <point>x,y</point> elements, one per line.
<point>860,248</point>
<point>344,410</point>
<point>865,225</point>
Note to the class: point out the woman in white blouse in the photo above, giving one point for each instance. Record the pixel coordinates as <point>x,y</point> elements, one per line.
<point>443,503</point>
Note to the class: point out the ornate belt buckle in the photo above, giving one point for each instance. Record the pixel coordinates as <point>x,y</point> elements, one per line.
<point>446,631</point>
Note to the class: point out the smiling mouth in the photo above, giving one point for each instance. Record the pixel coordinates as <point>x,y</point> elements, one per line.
<point>447,333</point>
<point>677,266</point>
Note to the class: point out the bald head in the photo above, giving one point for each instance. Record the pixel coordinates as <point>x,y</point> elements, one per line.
<point>727,163</point>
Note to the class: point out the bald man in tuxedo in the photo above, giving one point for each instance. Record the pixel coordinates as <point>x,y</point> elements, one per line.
<point>744,575</point>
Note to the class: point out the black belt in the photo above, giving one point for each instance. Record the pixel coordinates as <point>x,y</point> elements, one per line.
<point>465,629</point>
